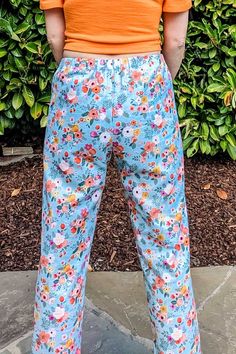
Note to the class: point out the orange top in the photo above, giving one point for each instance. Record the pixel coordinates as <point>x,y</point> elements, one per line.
<point>114,27</point>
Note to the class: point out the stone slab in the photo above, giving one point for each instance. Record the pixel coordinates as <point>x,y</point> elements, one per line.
<point>121,296</point>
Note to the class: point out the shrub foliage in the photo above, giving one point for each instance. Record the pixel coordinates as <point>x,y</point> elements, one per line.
<point>205,86</point>
<point>26,65</point>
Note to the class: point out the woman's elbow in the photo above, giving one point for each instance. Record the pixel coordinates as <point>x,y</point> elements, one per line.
<point>175,42</point>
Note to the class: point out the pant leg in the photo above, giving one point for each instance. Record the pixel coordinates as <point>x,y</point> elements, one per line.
<point>76,150</point>
<point>149,156</point>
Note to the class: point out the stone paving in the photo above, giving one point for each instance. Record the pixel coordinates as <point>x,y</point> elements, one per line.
<point>116,315</point>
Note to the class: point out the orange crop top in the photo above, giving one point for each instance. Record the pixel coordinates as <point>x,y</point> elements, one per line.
<point>114,27</point>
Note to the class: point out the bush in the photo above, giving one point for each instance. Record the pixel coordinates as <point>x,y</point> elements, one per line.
<point>205,86</point>
<point>26,66</point>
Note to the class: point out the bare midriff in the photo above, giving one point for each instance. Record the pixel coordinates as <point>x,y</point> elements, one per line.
<point>74,54</point>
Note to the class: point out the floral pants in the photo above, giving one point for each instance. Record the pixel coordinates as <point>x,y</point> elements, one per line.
<point>125,106</point>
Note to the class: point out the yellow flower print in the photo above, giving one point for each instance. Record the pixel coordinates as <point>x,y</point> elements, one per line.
<point>172,148</point>
<point>69,343</point>
<point>163,309</point>
<point>158,78</point>
<point>161,237</point>
<point>66,268</point>
<point>144,99</point>
<point>184,290</point>
<point>178,217</point>
<point>137,132</point>
<point>149,263</point>
<point>157,170</point>
<point>71,198</point>
<point>124,61</point>
<point>144,195</point>
<point>46,288</point>
<point>75,128</point>
<point>56,140</point>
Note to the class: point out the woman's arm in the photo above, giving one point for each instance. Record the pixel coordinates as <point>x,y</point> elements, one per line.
<point>55,26</point>
<point>175,29</point>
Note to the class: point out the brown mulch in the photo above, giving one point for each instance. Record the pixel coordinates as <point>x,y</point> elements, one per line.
<point>210,191</point>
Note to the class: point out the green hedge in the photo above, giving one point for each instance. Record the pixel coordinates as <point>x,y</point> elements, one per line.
<point>205,86</point>
<point>26,66</point>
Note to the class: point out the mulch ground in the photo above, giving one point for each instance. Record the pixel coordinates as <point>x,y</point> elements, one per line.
<point>210,191</point>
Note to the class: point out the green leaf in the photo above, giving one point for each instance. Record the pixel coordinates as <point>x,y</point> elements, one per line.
<point>231,151</point>
<point>187,142</point>
<point>215,87</point>
<point>5,26</point>
<point>43,121</point>
<point>182,110</point>
<point>223,129</point>
<point>3,52</point>
<point>2,106</point>
<point>193,149</point>
<point>224,145</point>
<point>231,139</point>
<point>17,101</point>
<point>28,96</point>
<point>32,47</point>
<point>36,110</point>
<point>214,133</point>
<point>205,130</point>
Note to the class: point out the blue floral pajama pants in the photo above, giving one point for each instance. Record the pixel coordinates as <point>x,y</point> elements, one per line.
<point>125,106</point>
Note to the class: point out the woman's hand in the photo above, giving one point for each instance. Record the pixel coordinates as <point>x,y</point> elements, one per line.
<point>55,26</point>
<point>175,30</point>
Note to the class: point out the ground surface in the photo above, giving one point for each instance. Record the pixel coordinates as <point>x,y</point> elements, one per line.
<point>212,219</point>
<point>116,314</point>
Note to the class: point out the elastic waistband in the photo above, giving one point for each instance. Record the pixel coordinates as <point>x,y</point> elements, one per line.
<point>106,56</point>
<point>136,59</point>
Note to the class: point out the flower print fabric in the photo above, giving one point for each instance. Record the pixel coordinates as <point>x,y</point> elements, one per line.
<point>124,106</point>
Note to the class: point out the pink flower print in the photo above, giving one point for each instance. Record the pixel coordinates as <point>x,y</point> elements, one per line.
<point>58,114</point>
<point>92,83</point>
<point>50,185</point>
<point>154,213</point>
<point>93,113</point>
<point>84,213</point>
<point>136,75</point>
<point>143,108</point>
<point>94,134</point>
<point>89,182</point>
<point>159,282</point>
<point>44,337</point>
<point>44,261</point>
<point>99,77</point>
<point>149,146</point>
<point>44,296</point>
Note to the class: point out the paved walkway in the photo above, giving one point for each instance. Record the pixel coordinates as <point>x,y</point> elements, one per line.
<point>116,315</point>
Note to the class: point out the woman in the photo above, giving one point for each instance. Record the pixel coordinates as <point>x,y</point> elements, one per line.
<point>112,92</point>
